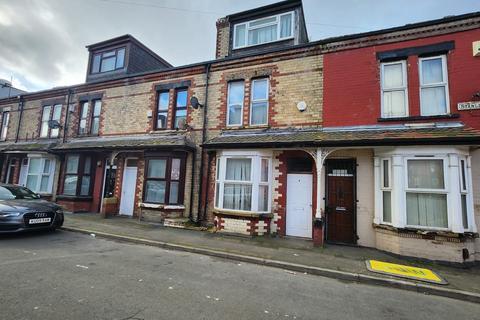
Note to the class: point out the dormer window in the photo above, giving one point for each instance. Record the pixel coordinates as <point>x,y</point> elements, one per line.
<point>260,31</point>
<point>108,60</point>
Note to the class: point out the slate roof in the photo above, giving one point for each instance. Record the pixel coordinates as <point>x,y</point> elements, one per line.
<point>27,146</point>
<point>346,137</point>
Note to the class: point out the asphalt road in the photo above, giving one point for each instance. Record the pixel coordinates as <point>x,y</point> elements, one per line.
<point>66,275</point>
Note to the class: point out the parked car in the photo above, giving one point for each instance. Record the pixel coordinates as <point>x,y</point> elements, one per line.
<point>22,210</point>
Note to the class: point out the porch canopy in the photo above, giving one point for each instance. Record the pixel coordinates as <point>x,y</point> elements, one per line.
<point>27,146</point>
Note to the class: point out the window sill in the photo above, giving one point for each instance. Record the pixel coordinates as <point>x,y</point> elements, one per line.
<point>250,127</point>
<point>167,131</point>
<point>248,214</point>
<point>419,118</point>
<point>428,234</point>
<point>161,206</point>
<point>74,198</point>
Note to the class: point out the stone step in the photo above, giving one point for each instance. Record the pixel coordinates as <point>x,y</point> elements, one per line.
<point>175,222</point>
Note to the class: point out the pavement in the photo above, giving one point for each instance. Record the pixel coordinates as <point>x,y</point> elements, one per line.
<point>341,262</point>
<point>67,275</point>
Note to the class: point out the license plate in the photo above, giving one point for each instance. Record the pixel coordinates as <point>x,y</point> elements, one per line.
<point>39,220</point>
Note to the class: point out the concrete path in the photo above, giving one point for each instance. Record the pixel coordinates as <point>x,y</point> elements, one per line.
<point>293,251</point>
<point>67,275</point>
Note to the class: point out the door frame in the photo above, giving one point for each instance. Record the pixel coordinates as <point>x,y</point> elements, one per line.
<point>123,180</point>
<point>311,206</point>
<point>328,164</point>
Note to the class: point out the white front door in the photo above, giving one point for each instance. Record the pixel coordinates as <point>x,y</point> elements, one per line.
<point>128,187</point>
<point>299,205</point>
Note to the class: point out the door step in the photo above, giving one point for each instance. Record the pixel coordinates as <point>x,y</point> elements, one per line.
<point>180,223</point>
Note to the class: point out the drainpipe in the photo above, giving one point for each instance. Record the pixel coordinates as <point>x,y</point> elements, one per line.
<point>20,107</point>
<point>67,112</point>
<point>204,133</point>
<point>194,156</point>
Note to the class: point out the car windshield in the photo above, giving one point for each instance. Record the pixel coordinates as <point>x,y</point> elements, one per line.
<point>17,192</point>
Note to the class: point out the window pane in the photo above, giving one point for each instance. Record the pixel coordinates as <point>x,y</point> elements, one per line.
<point>427,210</point>
<point>462,174</point>
<point>162,120</point>
<point>217,195</point>
<point>262,35</point>
<point>46,166</point>
<point>235,92</point>
<point>95,125</point>
<point>163,100</point>
<point>57,112</point>
<point>235,115</point>
<point>108,64</point>
<point>156,168</point>
<point>387,206</point>
<point>32,182</point>
<point>393,76</point>
<point>237,197</point>
<point>72,164</point>
<point>84,111</point>
<point>394,104</point>
<point>262,21</point>
<point>44,184</point>
<point>286,26</point>
<point>386,178</point>
<point>464,211</point>
<point>83,126</point>
<point>432,71</point>
<point>46,113</point>
<point>173,198</point>
<point>5,118</point>
<point>240,36</point>
<point>259,113</point>
<point>218,168</point>
<point>260,89</point>
<point>238,169</point>
<point>35,165</point>
<point>108,54</point>
<point>175,169</point>
<point>180,118</point>
<point>425,174</point>
<point>85,187</point>
<point>182,98</point>
<point>264,173</point>
<point>120,58</point>
<point>434,101</point>
<point>45,119</point>
<point>96,63</point>
<point>263,198</point>
<point>70,185</point>
<point>97,108</point>
<point>155,191</point>
<point>87,166</point>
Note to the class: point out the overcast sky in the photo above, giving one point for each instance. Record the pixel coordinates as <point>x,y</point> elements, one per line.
<point>42,43</point>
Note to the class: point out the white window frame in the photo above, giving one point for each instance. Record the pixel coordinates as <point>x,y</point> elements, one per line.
<point>255,179</point>
<point>259,100</point>
<point>444,191</point>
<point>50,174</point>
<point>463,173</point>
<point>229,105</point>
<point>277,22</point>
<point>444,83</point>
<point>4,125</point>
<point>387,189</point>
<point>404,87</point>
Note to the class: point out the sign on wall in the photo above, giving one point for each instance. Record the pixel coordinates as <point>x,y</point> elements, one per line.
<point>472,105</point>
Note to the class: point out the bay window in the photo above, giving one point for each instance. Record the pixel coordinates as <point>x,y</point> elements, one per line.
<point>259,103</point>
<point>428,191</point>
<point>394,89</point>
<point>433,86</point>
<point>78,175</point>
<point>39,175</point>
<point>164,180</point>
<point>243,182</point>
<point>235,103</point>
<point>264,30</point>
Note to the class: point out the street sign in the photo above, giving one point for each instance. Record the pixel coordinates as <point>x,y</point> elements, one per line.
<point>403,271</point>
<point>472,105</point>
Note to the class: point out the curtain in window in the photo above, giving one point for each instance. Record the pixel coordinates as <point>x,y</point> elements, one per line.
<point>434,101</point>
<point>262,35</point>
<point>286,26</point>
<point>33,173</point>
<point>240,35</point>
<point>238,169</point>
<point>425,174</point>
<point>238,196</point>
<point>432,71</point>
<point>427,210</point>
<point>387,206</point>
<point>155,191</point>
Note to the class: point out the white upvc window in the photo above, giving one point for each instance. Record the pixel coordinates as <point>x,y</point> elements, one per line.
<point>394,89</point>
<point>243,182</point>
<point>434,99</point>
<point>235,98</point>
<point>264,30</point>
<point>40,172</point>
<point>259,102</point>
<point>464,190</point>
<point>386,190</point>
<point>4,125</point>
<point>426,193</point>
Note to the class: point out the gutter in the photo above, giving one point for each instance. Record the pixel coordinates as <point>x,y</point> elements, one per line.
<point>20,107</point>
<point>202,161</point>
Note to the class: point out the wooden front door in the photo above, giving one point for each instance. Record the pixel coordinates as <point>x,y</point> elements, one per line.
<point>341,201</point>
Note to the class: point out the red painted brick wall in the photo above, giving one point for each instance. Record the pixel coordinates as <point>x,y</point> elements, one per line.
<point>352,81</point>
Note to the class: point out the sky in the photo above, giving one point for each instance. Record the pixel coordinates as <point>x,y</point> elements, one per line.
<point>42,43</point>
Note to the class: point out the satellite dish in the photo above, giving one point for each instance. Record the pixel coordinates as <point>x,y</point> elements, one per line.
<point>194,103</point>
<point>54,124</point>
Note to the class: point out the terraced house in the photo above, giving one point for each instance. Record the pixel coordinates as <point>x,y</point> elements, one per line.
<point>370,139</point>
